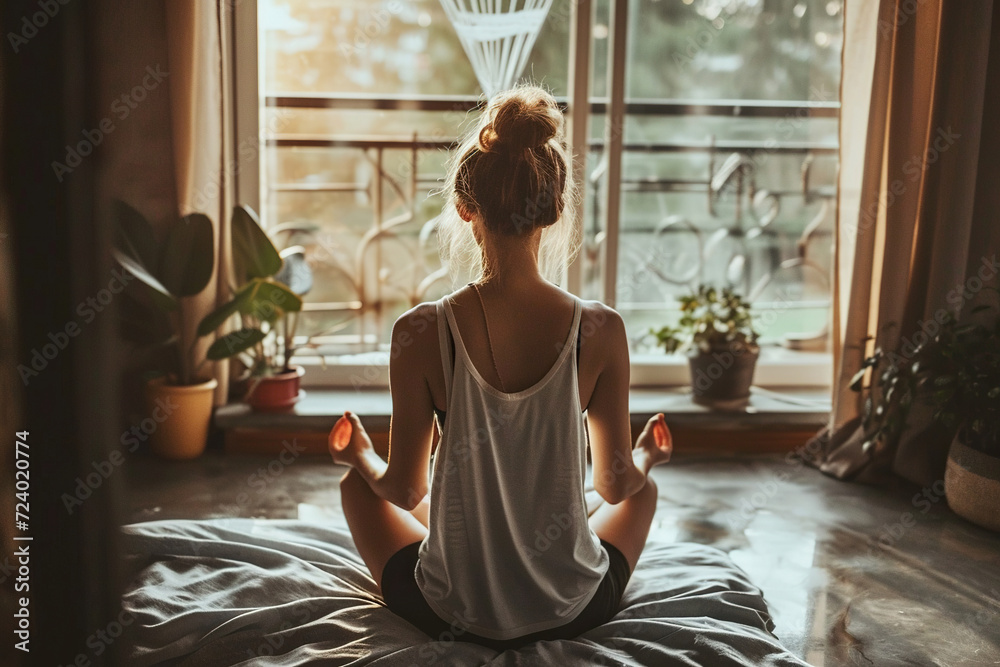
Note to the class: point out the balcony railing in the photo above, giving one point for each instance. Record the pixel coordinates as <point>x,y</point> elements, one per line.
<point>732,172</point>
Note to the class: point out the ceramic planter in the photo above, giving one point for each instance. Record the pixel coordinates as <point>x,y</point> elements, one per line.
<point>972,485</point>
<point>275,393</point>
<point>722,376</point>
<point>180,416</point>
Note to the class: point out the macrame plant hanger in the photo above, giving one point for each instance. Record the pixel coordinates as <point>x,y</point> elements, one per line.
<point>497,36</point>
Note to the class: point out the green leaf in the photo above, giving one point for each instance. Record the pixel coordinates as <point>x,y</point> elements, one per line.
<point>269,300</point>
<point>162,296</point>
<point>188,257</point>
<point>134,236</point>
<point>141,324</point>
<point>254,256</point>
<point>217,317</point>
<point>233,343</point>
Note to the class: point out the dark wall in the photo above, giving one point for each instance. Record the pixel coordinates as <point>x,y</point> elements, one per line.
<point>69,398</point>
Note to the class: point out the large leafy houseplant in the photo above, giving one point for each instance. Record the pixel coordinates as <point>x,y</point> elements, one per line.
<point>168,271</point>
<point>178,267</point>
<point>956,374</point>
<point>958,369</point>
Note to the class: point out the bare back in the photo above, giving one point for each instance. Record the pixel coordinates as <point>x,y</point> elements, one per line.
<point>527,331</point>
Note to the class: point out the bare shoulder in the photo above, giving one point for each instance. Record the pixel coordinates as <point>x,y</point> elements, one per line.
<point>415,332</point>
<point>601,323</point>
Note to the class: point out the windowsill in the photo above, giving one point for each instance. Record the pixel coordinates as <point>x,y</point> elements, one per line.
<point>800,408</point>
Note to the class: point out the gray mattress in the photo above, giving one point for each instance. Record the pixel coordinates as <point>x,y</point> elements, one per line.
<point>252,592</point>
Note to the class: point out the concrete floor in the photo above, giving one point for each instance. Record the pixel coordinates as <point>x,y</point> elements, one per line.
<point>853,575</point>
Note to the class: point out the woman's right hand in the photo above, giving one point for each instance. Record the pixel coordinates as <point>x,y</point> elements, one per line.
<point>655,440</point>
<point>348,440</point>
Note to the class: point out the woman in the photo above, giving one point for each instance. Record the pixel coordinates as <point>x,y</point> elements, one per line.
<point>502,552</point>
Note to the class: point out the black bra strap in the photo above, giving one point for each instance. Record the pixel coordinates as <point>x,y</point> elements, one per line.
<point>579,331</point>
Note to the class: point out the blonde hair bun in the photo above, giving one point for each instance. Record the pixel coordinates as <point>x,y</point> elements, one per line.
<point>520,119</point>
<point>514,170</point>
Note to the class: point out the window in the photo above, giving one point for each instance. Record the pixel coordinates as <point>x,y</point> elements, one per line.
<point>728,162</point>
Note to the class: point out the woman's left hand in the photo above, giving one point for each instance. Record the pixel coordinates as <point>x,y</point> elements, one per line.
<point>348,441</point>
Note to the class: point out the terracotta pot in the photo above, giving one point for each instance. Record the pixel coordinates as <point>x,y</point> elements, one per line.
<point>275,393</point>
<point>722,377</point>
<point>972,485</point>
<point>181,415</point>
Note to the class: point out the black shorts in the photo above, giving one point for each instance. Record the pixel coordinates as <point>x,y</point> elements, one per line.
<point>403,596</point>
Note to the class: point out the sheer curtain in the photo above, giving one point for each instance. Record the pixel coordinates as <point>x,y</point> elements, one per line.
<point>918,202</point>
<point>201,104</point>
<point>171,152</point>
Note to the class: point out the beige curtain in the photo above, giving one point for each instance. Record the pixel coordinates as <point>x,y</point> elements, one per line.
<point>200,54</point>
<point>171,154</point>
<point>917,214</point>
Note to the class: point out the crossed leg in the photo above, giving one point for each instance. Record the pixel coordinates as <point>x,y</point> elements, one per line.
<point>378,527</point>
<point>626,525</point>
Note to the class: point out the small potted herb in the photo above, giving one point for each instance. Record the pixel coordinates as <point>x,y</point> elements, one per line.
<point>716,331</point>
<point>958,371</point>
<point>267,301</point>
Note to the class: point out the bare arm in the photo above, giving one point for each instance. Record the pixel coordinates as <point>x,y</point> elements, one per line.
<point>403,479</point>
<point>619,470</point>
<point>617,475</point>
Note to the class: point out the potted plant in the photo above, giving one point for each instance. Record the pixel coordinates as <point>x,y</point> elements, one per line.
<point>267,301</point>
<point>170,271</point>
<point>958,369</point>
<point>716,331</point>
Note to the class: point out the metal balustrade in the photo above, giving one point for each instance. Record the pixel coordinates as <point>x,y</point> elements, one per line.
<point>732,172</point>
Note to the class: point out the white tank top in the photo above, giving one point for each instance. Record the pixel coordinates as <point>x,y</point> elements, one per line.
<point>509,551</point>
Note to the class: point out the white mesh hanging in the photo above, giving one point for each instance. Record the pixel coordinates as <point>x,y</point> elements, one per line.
<point>498,41</point>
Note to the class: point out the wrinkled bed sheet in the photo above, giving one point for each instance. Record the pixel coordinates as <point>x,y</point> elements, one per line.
<point>254,592</point>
